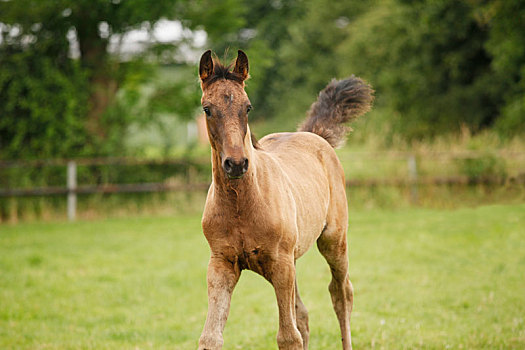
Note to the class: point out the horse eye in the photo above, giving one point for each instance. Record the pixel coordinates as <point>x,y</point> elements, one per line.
<point>248,109</point>
<point>207,111</point>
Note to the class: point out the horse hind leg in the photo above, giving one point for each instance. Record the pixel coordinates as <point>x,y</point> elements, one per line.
<point>301,315</point>
<point>332,245</point>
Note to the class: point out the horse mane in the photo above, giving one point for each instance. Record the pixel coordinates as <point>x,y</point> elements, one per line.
<point>221,71</point>
<point>255,142</point>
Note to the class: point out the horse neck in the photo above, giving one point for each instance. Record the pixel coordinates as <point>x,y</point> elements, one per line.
<point>236,192</point>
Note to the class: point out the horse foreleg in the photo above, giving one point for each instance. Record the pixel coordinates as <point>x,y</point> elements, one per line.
<point>222,278</point>
<point>283,281</point>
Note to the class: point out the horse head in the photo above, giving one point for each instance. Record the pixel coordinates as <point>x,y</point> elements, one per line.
<point>226,106</point>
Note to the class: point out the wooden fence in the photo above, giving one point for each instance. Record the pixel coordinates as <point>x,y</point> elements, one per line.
<point>72,188</point>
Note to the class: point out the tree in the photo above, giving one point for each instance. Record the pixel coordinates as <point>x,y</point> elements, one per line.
<point>506,44</point>
<point>291,45</point>
<point>438,65</point>
<point>41,32</point>
<point>41,104</point>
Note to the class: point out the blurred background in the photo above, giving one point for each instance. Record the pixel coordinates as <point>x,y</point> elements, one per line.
<point>112,85</point>
<point>100,124</point>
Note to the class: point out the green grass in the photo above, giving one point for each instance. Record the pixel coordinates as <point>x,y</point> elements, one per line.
<point>424,278</point>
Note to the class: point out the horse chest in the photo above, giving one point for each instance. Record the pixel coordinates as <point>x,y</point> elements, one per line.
<point>252,245</point>
<point>254,259</point>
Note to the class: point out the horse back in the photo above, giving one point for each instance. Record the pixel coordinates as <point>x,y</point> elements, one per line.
<point>303,152</point>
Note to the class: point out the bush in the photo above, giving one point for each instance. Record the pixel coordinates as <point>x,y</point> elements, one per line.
<point>483,167</point>
<point>43,107</point>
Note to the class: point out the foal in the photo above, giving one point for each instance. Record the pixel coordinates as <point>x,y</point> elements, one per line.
<point>269,201</point>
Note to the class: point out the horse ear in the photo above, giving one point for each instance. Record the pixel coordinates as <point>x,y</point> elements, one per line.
<point>206,65</point>
<point>241,65</point>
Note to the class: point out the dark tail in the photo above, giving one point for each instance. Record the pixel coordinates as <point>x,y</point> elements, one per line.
<point>340,102</point>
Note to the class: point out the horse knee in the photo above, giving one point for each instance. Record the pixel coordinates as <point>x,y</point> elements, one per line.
<point>342,291</point>
<point>302,323</point>
<point>290,340</point>
<point>302,315</point>
<point>210,342</point>
<point>337,283</point>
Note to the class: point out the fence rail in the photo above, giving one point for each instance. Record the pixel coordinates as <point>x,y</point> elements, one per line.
<point>178,161</point>
<point>413,180</point>
<point>103,189</point>
<point>91,161</point>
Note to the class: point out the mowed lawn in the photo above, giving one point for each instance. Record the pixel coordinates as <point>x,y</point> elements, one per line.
<point>429,279</point>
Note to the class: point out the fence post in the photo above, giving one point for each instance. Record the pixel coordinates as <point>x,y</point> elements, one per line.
<point>71,190</point>
<point>412,175</point>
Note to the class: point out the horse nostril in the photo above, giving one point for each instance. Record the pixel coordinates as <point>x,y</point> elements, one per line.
<point>228,165</point>
<point>235,169</point>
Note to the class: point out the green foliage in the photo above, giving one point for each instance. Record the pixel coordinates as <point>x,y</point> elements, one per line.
<point>486,166</point>
<point>177,97</point>
<point>56,106</point>
<point>428,64</point>
<point>221,19</point>
<point>40,109</point>
<point>263,40</point>
<point>292,54</point>
<point>506,45</point>
<point>436,65</point>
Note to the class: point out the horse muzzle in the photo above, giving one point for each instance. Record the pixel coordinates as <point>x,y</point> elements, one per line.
<point>235,169</point>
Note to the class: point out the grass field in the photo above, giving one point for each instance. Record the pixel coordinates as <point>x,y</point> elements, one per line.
<point>424,278</point>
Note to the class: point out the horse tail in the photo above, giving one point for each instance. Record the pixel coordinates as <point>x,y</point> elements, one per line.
<point>340,102</point>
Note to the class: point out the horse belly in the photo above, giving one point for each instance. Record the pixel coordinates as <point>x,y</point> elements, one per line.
<point>310,225</point>
<point>311,207</point>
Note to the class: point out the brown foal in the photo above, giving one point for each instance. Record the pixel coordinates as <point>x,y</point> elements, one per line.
<point>269,201</point>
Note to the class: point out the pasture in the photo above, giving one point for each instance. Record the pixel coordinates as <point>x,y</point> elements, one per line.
<point>423,278</point>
